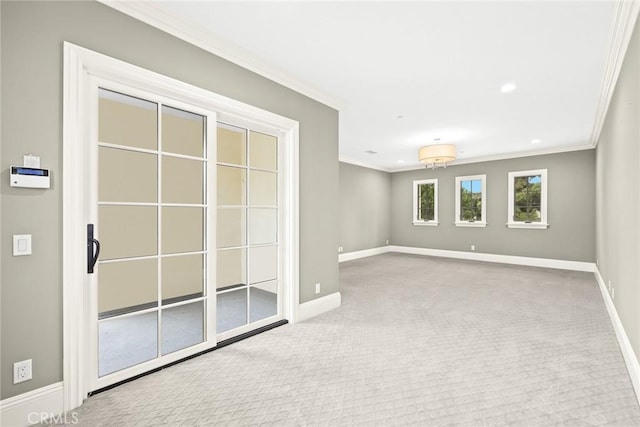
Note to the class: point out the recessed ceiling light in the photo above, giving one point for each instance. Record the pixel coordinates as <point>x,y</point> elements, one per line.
<point>508,87</point>
<point>536,141</point>
<point>400,161</point>
<point>371,152</point>
<point>400,117</point>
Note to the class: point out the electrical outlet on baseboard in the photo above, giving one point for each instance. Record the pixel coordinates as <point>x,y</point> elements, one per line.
<point>613,294</point>
<point>317,288</point>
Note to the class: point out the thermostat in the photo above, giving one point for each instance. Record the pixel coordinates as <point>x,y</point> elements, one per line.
<point>22,176</point>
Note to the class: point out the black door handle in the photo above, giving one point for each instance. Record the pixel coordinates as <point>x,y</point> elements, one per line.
<point>92,257</point>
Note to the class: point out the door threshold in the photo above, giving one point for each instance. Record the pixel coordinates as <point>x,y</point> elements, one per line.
<point>221,344</point>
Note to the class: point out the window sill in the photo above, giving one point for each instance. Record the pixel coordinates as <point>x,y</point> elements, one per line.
<point>532,225</point>
<point>470,224</point>
<point>426,223</point>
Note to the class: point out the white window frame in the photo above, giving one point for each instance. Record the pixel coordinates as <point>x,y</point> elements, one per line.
<point>416,185</point>
<point>483,222</point>
<point>543,224</point>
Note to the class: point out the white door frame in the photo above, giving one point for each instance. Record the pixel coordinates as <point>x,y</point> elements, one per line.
<point>80,66</point>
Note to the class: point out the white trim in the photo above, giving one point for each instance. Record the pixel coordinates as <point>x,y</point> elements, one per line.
<point>349,256</point>
<point>543,224</point>
<point>504,259</point>
<point>416,184</point>
<point>345,159</point>
<point>478,224</point>
<point>482,159</point>
<point>625,18</point>
<point>425,223</point>
<point>483,222</point>
<point>630,359</point>
<point>533,225</point>
<point>152,14</point>
<point>75,333</point>
<point>28,408</point>
<point>318,306</point>
<point>473,256</point>
<point>81,66</point>
<point>291,231</point>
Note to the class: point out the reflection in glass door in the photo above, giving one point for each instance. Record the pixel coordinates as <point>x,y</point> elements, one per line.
<point>247,282</point>
<point>151,222</point>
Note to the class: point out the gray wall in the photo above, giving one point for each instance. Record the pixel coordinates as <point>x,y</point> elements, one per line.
<point>617,195</point>
<point>32,37</point>
<point>571,204</point>
<point>365,207</point>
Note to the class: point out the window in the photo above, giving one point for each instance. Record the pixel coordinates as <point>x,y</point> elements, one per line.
<point>528,199</point>
<point>425,202</point>
<point>471,206</point>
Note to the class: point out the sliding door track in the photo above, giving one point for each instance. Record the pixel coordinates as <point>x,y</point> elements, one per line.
<point>220,345</point>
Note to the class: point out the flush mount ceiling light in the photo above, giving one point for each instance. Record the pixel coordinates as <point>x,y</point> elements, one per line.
<point>437,155</point>
<point>508,87</point>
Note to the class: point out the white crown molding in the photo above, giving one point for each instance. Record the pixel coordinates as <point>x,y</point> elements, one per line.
<point>625,18</point>
<point>345,159</point>
<point>505,156</point>
<point>151,13</point>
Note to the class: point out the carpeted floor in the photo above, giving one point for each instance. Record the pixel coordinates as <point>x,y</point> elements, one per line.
<point>417,341</point>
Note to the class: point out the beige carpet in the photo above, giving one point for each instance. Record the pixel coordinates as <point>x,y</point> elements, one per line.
<point>418,341</point>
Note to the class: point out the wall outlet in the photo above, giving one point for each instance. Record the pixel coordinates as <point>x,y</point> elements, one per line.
<point>473,247</point>
<point>22,371</point>
<point>387,242</point>
<point>340,249</point>
<point>613,294</point>
<point>609,286</point>
<point>597,262</point>
<point>317,288</point>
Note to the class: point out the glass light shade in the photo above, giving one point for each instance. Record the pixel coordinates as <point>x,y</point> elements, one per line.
<point>437,154</point>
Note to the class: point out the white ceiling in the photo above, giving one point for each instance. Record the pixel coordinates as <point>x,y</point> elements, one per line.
<point>405,73</point>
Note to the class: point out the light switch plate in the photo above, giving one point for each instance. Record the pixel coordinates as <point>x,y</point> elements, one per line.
<point>21,244</point>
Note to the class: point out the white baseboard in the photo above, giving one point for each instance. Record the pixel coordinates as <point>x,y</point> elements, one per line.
<point>349,256</point>
<point>504,259</point>
<point>318,306</point>
<point>633,366</point>
<point>33,407</point>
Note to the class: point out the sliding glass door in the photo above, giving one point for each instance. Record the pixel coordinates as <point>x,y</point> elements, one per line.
<point>247,277</point>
